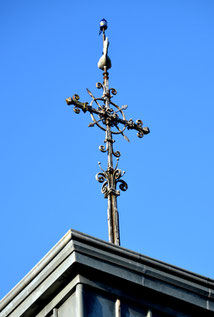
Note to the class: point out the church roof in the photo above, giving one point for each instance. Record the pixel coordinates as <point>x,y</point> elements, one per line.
<point>79,258</point>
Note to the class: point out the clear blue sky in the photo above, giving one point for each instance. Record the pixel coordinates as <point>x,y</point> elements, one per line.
<point>162,54</point>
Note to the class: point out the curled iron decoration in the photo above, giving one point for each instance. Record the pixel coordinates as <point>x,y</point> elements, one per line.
<point>102,148</point>
<point>104,177</point>
<point>117,153</point>
<point>100,177</point>
<point>140,125</point>
<point>117,175</point>
<point>140,135</point>
<point>123,185</point>
<point>76,109</point>
<point>76,97</point>
<point>99,85</point>
<point>130,124</point>
<point>104,189</point>
<point>113,91</point>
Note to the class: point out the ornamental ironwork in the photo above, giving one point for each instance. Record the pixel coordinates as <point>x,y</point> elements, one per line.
<point>109,117</point>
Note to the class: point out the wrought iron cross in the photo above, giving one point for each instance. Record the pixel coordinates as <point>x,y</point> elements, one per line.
<point>110,118</point>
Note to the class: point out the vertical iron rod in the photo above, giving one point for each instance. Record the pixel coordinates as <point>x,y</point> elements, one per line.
<point>113,216</point>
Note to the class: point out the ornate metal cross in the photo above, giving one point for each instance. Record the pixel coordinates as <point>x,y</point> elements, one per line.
<point>110,118</point>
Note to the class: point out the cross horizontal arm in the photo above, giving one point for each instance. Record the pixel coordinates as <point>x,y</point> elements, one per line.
<point>104,114</point>
<point>132,125</point>
<point>82,105</point>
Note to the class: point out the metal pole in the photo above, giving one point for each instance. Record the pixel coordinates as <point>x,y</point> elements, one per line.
<point>108,141</point>
<point>116,222</point>
<point>113,216</point>
<point>110,168</point>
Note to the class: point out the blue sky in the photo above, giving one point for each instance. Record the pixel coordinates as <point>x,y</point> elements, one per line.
<point>162,56</point>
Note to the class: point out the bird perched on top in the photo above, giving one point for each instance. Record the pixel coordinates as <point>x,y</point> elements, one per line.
<point>105,59</point>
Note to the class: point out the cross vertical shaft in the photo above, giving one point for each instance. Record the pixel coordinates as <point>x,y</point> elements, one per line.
<point>113,215</point>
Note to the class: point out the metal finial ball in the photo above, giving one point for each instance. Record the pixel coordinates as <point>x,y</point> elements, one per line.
<point>103,24</point>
